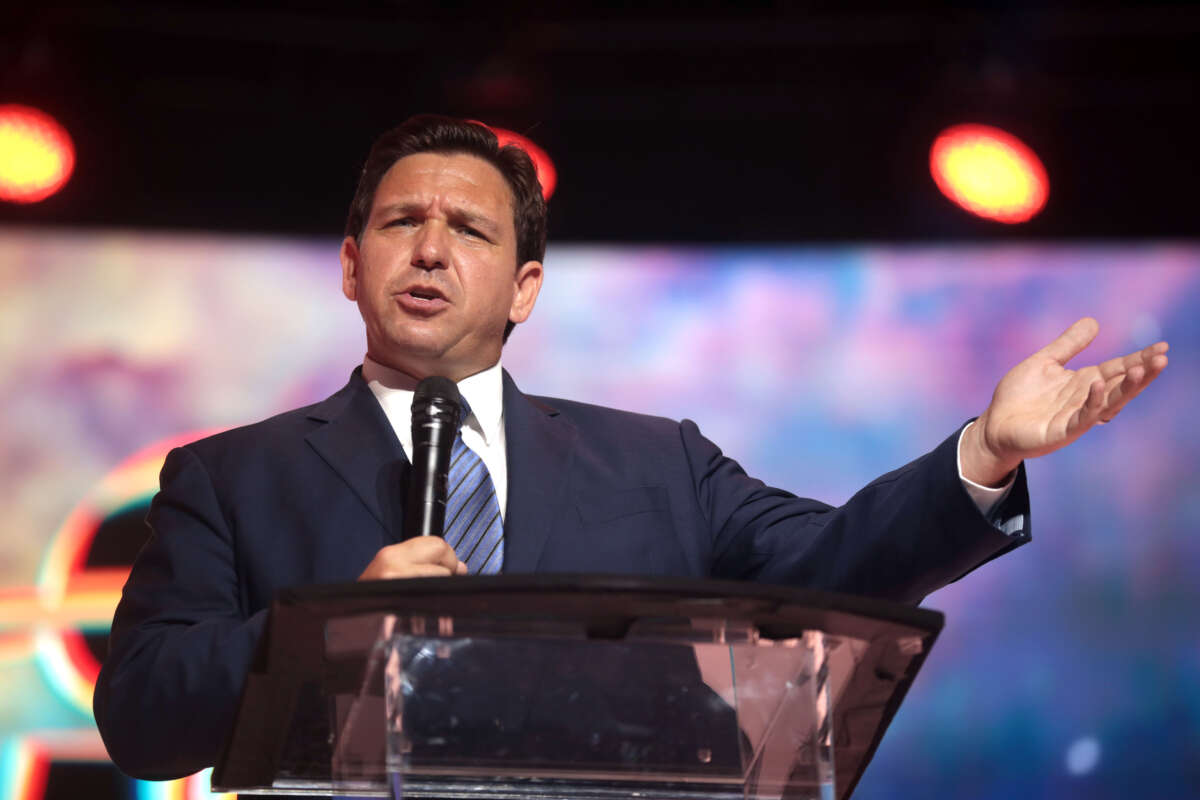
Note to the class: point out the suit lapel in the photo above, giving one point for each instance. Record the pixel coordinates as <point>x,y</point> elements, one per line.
<point>358,442</point>
<point>541,448</point>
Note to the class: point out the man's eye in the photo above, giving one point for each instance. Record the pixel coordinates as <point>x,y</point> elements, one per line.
<point>401,222</point>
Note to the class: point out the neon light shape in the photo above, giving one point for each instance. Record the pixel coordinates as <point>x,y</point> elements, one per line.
<point>160,790</point>
<point>72,597</point>
<point>989,172</point>
<point>23,769</point>
<point>193,787</point>
<point>199,787</point>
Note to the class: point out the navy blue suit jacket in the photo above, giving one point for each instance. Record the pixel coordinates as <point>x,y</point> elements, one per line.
<point>309,496</point>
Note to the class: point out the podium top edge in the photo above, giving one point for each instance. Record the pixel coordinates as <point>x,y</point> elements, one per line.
<point>730,598</point>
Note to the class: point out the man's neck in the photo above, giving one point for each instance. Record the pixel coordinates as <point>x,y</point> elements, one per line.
<point>418,371</point>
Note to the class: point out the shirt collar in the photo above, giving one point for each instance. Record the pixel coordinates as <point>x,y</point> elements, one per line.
<point>483,391</point>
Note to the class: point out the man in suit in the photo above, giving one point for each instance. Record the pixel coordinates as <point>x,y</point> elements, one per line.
<point>443,255</point>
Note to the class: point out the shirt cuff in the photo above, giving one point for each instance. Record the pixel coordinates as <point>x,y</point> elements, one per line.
<point>986,498</point>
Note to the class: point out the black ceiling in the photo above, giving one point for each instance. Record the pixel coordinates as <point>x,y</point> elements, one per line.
<point>703,122</point>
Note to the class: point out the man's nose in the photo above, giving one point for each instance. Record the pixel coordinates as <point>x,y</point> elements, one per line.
<point>430,248</point>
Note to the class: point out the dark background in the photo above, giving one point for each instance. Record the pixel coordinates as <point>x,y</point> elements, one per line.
<point>677,122</point>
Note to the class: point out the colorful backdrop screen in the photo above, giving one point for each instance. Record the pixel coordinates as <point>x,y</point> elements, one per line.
<point>1067,669</point>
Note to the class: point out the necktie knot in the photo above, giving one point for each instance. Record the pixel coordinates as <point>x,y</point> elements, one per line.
<point>464,411</point>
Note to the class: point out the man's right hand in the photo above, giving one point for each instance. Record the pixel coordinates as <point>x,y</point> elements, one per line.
<point>419,557</point>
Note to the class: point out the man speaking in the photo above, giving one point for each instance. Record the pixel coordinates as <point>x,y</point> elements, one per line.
<point>443,255</point>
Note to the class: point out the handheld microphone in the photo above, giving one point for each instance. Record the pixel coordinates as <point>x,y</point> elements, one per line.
<point>435,417</point>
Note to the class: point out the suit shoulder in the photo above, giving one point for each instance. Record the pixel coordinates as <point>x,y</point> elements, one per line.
<point>287,425</point>
<point>590,415</point>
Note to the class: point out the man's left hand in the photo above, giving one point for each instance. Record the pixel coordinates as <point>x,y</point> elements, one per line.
<point>1041,406</point>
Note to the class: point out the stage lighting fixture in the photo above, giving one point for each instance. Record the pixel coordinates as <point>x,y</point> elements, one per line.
<point>547,174</point>
<point>36,154</point>
<point>989,172</point>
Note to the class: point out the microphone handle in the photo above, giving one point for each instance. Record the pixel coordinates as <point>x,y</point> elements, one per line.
<point>434,429</point>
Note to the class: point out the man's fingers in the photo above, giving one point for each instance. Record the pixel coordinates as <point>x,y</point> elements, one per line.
<point>435,550</point>
<point>422,571</point>
<point>1152,356</point>
<point>1120,389</point>
<point>445,554</point>
<point>389,569</point>
<point>1095,399</point>
<point>1072,340</point>
<point>425,550</point>
<point>423,556</point>
<point>1078,418</point>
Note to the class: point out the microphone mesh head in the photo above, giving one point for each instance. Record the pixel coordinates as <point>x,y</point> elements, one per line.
<point>435,386</point>
<point>436,399</point>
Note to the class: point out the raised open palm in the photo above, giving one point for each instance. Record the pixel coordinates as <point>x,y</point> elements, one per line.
<point>1041,405</point>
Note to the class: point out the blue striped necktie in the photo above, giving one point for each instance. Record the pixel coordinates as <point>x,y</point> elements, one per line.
<point>473,525</point>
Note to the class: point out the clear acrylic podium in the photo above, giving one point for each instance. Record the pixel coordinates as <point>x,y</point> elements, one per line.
<point>556,686</point>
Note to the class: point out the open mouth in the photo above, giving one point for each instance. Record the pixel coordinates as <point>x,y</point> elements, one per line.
<point>424,293</point>
<point>422,300</point>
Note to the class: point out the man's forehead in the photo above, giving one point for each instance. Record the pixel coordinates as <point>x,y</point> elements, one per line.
<point>466,181</point>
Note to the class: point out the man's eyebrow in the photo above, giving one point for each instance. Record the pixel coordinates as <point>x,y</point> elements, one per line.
<point>398,208</point>
<point>464,216</point>
<point>457,214</point>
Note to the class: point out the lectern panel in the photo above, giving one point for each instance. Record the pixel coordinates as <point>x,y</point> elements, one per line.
<point>505,688</point>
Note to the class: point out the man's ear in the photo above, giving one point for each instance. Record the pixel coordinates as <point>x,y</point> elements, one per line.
<point>528,284</point>
<point>350,259</point>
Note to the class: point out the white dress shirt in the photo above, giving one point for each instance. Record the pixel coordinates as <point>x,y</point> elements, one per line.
<point>482,430</point>
<point>986,498</point>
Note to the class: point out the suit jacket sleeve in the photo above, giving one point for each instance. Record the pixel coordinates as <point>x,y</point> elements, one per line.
<point>902,536</point>
<point>181,642</point>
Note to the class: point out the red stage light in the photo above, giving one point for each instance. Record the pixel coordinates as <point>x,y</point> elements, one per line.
<point>989,172</point>
<point>36,154</point>
<point>547,175</point>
